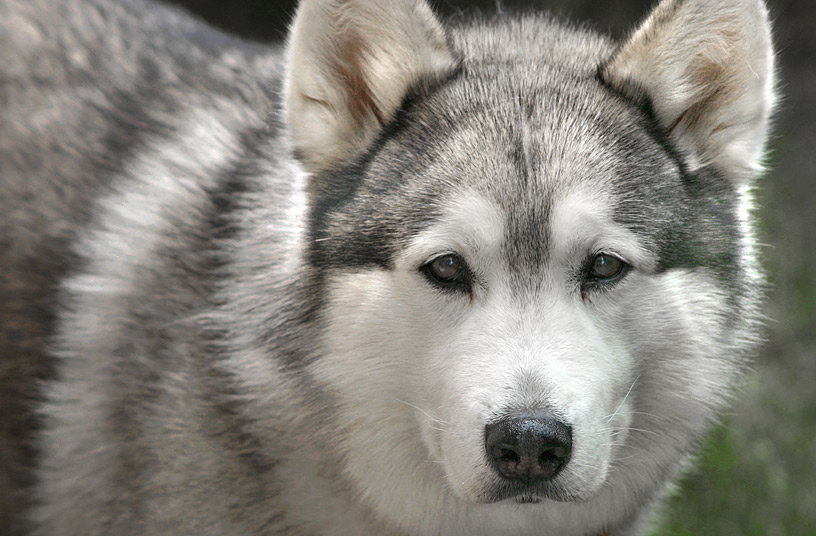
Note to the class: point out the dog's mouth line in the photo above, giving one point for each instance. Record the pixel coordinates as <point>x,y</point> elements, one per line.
<point>527,499</point>
<point>542,493</point>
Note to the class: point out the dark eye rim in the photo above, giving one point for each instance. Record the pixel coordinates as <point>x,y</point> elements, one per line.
<point>462,282</point>
<point>590,281</point>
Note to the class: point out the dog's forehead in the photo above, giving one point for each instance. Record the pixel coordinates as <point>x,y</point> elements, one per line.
<point>522,132</point>
<point>525,146</point>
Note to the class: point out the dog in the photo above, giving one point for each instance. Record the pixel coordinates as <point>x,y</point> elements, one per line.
<point>399,276</point>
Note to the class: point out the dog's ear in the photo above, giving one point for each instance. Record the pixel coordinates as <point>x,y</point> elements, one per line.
<point>706,67</point>
<point>351,63</point>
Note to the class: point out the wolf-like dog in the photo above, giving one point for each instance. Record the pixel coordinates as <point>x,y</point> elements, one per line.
<point>398,276</point>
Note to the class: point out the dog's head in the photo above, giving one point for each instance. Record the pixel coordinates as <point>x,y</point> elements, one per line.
<point>533,245</point>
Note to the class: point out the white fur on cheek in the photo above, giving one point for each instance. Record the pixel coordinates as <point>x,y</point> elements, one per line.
<point>375,342</point>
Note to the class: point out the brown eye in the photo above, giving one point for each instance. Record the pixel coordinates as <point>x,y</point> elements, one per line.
<point>448,272</point>
<point>446,267</point>
<point>605,266</point>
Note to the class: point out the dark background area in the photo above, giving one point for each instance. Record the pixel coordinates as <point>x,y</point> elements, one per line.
<point>757,475</point>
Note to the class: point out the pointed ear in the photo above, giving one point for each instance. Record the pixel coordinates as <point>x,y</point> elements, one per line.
<point>351,63</point>
<point>706,66</point>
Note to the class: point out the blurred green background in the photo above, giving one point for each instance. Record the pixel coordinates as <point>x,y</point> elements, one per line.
<point>756,475</point>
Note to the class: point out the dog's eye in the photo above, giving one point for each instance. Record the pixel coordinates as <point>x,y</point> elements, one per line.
<point>446,267</point>
<point>448,271</point>
<point>605,266</point>
<point>602,271</point>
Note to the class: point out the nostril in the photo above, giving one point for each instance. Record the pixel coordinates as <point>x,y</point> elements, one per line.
<point>504,454</point>
<point>528,447</point>
<point>553,453</point>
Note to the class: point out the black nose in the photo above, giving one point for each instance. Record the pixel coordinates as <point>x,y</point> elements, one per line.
<point>528,448</point>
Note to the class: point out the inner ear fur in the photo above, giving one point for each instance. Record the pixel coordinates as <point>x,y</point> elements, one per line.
<point>351,63</point>
<point>707,68</point>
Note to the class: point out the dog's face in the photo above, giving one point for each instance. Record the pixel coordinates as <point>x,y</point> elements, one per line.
<point>534,280</point>
<point>522,266</point>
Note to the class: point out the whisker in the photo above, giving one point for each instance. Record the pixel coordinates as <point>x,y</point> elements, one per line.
<point>624,399</point>
<point>432,417</point>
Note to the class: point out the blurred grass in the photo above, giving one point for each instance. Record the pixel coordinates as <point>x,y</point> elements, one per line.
<point>748,486</point>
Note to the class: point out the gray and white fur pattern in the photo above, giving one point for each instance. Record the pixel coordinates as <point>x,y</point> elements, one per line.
<point>222,308</point>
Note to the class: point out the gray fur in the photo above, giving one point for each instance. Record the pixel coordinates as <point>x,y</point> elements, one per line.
<point>202,335</point>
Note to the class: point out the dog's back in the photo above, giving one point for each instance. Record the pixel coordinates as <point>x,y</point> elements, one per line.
<point>86,87</point>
